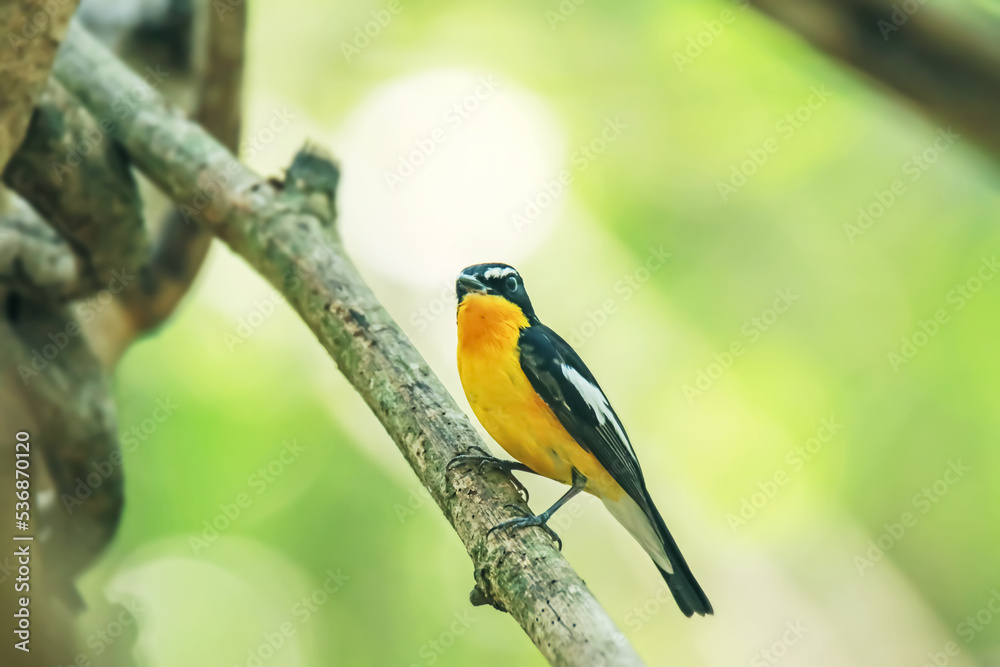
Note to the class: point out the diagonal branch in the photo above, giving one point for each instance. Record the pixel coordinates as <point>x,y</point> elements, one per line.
<point>948,69</point>
<point>279,233</point>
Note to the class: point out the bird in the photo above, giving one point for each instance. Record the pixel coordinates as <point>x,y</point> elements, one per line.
<point>534,395</point>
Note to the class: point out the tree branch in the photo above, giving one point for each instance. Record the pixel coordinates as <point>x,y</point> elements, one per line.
<point>279,233</point>
<point>951,71</point>
<point>46,367</point>
<point>182,244</point>
<point>34,259</point>
<point>44,357</point>
<point>81,183</point>
<point>31,31</point>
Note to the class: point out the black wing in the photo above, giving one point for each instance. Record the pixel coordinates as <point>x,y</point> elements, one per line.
<point>565,383</point>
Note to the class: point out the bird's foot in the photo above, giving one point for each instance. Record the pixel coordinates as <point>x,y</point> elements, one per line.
<point>484,459</point>
<point>526,521</point>
<point>481,456</point>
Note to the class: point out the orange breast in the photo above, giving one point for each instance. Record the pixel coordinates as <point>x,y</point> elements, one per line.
<point>505,402</point>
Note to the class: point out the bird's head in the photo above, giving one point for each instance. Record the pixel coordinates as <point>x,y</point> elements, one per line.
<point>493,280</point>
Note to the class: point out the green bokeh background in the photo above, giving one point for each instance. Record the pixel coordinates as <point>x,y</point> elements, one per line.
<point>348,504</point>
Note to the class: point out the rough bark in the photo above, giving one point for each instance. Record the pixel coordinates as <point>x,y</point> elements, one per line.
<point>949,70</point>
<point>31,30</point>
<point>288,236</point>
<point>81,183</point>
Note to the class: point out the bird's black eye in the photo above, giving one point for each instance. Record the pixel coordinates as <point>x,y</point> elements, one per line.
<point>512,284</point>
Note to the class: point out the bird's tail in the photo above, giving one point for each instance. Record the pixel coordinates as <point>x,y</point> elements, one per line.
<point>648,528</point>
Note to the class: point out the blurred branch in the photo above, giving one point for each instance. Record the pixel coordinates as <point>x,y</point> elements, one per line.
<point>182,244</point>
<point>47,369</point>
<point>220,89</point>
<point>287,235</point>
<point>950,70</point>
<point>34,259</point>
<point>44,357</point>
<point>31,31</point>
<point>92,235</point>
<point>81,183</point>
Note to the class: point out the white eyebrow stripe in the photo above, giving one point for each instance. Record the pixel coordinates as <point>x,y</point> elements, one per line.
<point>497,272</point>
<point>597,401</point>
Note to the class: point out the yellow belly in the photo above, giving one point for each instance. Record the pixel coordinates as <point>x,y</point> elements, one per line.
<point>512,412</point>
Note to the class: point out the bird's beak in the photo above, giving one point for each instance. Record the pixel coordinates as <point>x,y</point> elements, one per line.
<point>471,284</point>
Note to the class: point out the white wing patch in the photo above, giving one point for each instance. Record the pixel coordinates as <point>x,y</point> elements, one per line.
<point>597,401</point>
<point>496,273</point>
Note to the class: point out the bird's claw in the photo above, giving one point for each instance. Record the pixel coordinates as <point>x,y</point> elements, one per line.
<point>471,459</point>
<point>486,459</point>
<point>521,489</point>
<point>467,457</point>
<point>526,520</point>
